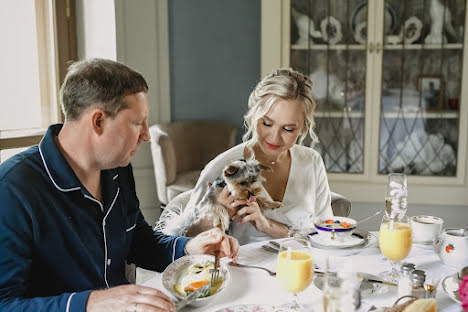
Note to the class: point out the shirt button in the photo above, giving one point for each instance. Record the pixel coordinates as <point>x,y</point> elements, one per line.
<point>109,261</point>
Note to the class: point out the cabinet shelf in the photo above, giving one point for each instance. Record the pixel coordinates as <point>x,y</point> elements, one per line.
<point>389,115</point>
<point>324,47</point>
<point>448,46</point>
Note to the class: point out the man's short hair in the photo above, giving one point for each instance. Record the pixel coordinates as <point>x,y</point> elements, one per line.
<point>98,83</point>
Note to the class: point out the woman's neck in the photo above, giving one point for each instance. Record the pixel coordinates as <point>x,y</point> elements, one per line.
<point>268,161</point>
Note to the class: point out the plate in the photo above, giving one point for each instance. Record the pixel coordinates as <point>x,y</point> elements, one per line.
<point>173,274</point>
<point>450,286</point>
<point>356,239</point>
<point>249,308</point>
<point>359,20</point>
<point>367,288</point>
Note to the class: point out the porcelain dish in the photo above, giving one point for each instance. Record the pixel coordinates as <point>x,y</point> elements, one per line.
<point>450,286</point>
<point>335,228</point>
<point>175,272</point>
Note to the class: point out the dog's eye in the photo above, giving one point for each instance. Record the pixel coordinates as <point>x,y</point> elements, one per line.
<point>243,183</point>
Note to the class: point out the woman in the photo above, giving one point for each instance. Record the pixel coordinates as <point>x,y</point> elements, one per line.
<point>281,113</point>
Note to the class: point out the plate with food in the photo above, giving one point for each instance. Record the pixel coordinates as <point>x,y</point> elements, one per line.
<point>250,308</point>
<point>189,273</point>
<point>358,240</point>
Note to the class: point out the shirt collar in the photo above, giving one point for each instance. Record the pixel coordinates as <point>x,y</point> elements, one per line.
<point>58,169</point>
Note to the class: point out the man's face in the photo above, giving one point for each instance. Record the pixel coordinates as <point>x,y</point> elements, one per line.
<point>123,134</point>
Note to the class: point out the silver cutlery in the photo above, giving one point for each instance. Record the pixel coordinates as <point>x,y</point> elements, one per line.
<point>197,293</point>
<point>276,244</point>
<point>215,271</point>
<point>270,249</point>
<point>252,267</point>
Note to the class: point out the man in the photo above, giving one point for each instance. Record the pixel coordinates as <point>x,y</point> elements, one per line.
<point>69,214</point>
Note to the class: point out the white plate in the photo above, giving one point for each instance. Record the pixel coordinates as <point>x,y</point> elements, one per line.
<point>367,288</point>
<point>450,286</point>
<point>172,275</point>
<point>250,308</point>
<point>356,239</point>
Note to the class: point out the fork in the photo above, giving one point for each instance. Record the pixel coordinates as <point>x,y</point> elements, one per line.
<point>215,271</point>
<point>252,267</point>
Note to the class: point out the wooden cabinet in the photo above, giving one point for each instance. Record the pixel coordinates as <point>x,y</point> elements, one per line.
<point>389,83</point>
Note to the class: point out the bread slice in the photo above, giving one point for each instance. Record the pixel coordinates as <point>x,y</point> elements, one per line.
<point>422,305</point>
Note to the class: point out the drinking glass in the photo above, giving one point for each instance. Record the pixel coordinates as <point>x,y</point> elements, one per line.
<point>295,269</point>
<point>397,195</point>
<point>395,241</point>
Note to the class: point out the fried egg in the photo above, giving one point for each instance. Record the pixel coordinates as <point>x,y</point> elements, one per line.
<point>196,275</point>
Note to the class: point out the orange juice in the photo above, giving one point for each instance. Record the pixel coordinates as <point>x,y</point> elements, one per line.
<point>295,273</point>
<point>395,243</point>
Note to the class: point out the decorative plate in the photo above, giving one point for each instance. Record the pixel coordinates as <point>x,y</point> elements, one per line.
<point>173,273</point>
<point>450,286</point>
<point>360,15</point>
<point>367,288</point>
<point>318,241</point>
<point>250,308</point>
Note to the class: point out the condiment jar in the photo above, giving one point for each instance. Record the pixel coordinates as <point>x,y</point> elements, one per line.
<point>418,277</point>
<point>404,280</point>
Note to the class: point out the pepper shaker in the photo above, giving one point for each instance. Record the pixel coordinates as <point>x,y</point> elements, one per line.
<point>418,277</point>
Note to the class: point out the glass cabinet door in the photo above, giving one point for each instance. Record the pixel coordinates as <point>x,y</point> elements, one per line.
<point>421,86</point>
<point>328,43</point>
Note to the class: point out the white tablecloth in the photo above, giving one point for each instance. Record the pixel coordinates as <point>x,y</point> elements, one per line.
<point>251,286</point>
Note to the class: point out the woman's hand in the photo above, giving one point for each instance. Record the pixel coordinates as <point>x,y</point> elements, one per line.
<point>252,213</point>
<point>226,199</point>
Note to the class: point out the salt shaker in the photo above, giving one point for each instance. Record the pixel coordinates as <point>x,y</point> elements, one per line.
<point>418,277</point>
<point>404,280</point>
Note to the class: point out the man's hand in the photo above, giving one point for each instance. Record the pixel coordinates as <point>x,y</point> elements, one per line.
<point>209,241</point>
<point>129,298</point>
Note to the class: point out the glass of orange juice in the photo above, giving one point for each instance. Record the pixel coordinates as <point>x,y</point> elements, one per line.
<point>395,241</point>
<point>295,269</point>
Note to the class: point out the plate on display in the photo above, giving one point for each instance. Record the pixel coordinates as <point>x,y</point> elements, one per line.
<point>359,20</point>
<point>358,239</point>
<point>249,308</point>
<point>450,286</point>
<point>367,288</point>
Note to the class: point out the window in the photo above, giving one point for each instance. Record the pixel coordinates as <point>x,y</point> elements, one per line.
<point>39,39</point>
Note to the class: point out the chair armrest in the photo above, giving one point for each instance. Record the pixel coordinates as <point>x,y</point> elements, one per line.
<point>341,206</point>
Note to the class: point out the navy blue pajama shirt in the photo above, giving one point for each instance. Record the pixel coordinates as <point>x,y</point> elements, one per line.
<point>58,243</point>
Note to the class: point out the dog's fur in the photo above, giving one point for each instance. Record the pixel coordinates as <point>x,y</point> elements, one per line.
<point>243,179</point>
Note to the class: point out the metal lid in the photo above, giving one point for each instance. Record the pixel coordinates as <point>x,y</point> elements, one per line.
<point>418,277</point>
<point>407,267</point>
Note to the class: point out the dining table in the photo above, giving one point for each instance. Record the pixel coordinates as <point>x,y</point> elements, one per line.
<point>259,291</point>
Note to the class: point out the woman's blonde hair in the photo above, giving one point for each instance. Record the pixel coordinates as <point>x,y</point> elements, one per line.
<point>282,83</point>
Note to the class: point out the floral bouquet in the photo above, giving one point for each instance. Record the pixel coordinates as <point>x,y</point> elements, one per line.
<point>463,292</point>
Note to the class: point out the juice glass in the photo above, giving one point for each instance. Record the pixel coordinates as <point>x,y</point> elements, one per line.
<point>295,269</point>
<point>395,242</point>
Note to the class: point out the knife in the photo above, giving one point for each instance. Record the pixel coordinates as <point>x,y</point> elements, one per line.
<point>191,297</point>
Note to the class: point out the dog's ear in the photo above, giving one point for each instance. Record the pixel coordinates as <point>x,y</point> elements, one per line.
<point>230,170</point>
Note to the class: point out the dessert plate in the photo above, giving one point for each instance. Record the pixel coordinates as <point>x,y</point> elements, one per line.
<point>356,239</point>
<point>367,288</point>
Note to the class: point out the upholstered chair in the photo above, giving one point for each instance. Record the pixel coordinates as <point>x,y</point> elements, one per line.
<point>180,150</point>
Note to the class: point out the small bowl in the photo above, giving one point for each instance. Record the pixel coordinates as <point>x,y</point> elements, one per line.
<point>332,231</point>
<point>173,273</point>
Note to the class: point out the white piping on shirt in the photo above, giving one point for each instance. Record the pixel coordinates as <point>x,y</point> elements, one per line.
<point>95,200</point>
<point>115,177</point>
<point>50,176</point>
<point>131,228</point>
<point>68,302</point>
<point>174,248</point>
<point>104,232</point>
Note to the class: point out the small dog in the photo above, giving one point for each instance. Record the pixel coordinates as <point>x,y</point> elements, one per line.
<point>243,179</point>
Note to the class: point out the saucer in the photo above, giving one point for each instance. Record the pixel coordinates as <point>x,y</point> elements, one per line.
<point>318,241</point>
<point>450,286</point>
<point>367,288</point>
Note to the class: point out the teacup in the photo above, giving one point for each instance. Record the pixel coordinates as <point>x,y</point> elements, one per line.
<point>425,228</point>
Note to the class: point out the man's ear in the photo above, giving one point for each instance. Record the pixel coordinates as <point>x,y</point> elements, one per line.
<point>98,117</point>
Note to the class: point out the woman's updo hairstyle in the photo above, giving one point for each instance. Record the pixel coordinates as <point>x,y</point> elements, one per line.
<point>281,83</point>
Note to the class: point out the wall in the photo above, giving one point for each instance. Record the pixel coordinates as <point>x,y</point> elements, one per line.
<point>215,58</point>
